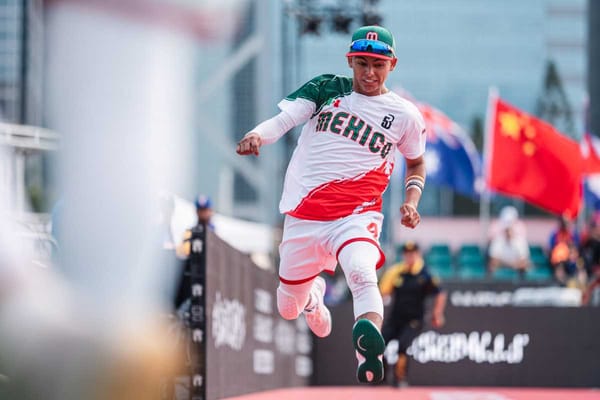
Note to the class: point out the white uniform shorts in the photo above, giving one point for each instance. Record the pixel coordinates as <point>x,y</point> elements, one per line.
<point>310,247</point>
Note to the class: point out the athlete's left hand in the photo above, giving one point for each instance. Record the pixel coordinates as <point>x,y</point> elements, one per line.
<point>409,215</point>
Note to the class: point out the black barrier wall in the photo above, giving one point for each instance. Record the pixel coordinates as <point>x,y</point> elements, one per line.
<point>197,315</point>
<point>500,345</point>
<point>249,347</point>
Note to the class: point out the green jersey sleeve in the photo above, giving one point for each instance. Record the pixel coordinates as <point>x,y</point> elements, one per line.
<point>322,89</point>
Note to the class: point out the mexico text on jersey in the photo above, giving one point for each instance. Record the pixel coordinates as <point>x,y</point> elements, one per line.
<point>344,157</point>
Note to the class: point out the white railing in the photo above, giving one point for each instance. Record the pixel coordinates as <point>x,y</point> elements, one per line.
<point>17,142</point>
<point>28,137</point>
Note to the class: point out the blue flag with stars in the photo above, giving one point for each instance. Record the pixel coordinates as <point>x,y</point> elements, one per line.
<point>451,157</point>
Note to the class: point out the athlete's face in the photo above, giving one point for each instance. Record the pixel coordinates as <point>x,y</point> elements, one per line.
<point>370,74</point>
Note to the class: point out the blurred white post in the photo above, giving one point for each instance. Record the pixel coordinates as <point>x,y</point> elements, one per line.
<point>225,195</point>
<point>120,91</point>
<point>484,203</point>
<point>19,180</point>
<point>5,177</point>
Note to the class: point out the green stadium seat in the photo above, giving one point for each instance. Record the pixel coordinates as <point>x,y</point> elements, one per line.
<point>539,273</point>
<point>438,258</point>
<point>470,262</point>
<point>536,249</point>
<point>538,256</point>
<point>443,270</point>
<point>470,259</point>
<point>470,253</point>
<point>474,269</point>
<point>439,248</point>
<point>469,248</point>
<point>506,274</point>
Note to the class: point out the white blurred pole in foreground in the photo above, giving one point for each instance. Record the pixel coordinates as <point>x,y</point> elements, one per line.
<point>120,93</point>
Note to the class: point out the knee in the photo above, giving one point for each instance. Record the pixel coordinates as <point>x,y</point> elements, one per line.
<point>360,277</point>
<point>358,261</point>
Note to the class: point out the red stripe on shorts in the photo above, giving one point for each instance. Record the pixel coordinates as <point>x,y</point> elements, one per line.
<point>381,253</point>
<point>298,282</point>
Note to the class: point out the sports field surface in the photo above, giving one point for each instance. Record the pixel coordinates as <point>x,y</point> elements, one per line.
<point>422,393</point>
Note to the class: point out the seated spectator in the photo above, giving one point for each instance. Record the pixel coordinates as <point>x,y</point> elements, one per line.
<point>509,216</point>
<point>569,269</point>
<point>590,247</point>
<point>564,232</point>
<point>508,250</point>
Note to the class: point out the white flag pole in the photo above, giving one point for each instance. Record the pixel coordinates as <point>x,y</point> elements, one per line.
<point>484,203</point>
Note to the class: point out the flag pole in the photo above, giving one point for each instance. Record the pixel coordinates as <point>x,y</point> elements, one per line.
<point>484,202</point>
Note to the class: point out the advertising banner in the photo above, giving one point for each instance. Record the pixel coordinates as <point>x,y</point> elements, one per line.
<point>495,335</point>
<point>249,347</point>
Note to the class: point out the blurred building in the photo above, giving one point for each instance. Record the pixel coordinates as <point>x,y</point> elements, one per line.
<point>21,103</point>
<point>21,63</point>
<point>450,52</point>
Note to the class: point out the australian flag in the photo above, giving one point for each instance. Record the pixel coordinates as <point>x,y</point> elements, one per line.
<point>451,157</point>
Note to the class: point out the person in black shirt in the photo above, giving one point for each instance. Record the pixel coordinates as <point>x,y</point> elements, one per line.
<point>406,285</point>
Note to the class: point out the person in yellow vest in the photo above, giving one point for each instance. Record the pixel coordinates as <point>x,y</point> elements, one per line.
<point>405,286</point>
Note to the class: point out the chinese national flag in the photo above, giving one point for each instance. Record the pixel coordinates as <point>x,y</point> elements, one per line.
<point>532,160</point>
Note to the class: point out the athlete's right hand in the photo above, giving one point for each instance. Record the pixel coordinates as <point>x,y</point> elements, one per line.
<point>249,144</point>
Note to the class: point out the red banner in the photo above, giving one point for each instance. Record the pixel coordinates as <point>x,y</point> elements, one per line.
<point>530,159</point>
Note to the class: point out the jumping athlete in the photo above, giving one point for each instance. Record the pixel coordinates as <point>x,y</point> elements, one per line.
<point>333,188</point>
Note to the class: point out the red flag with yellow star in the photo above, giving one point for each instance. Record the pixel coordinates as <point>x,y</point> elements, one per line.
<point>530,159</point>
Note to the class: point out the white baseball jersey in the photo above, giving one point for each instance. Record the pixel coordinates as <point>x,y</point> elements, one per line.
<point>344,156</point>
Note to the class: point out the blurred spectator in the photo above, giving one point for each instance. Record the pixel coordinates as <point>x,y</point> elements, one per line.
<point>509,216</point>
<point>406,285</point>
<point>590,247</point>
<point>564,233</point>
<point>204,212</point>
<point>562,239</point>
<point>569,269</point>
<point>508,250</point>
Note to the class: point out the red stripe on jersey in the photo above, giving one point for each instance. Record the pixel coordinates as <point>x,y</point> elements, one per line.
<point>338,199</point>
